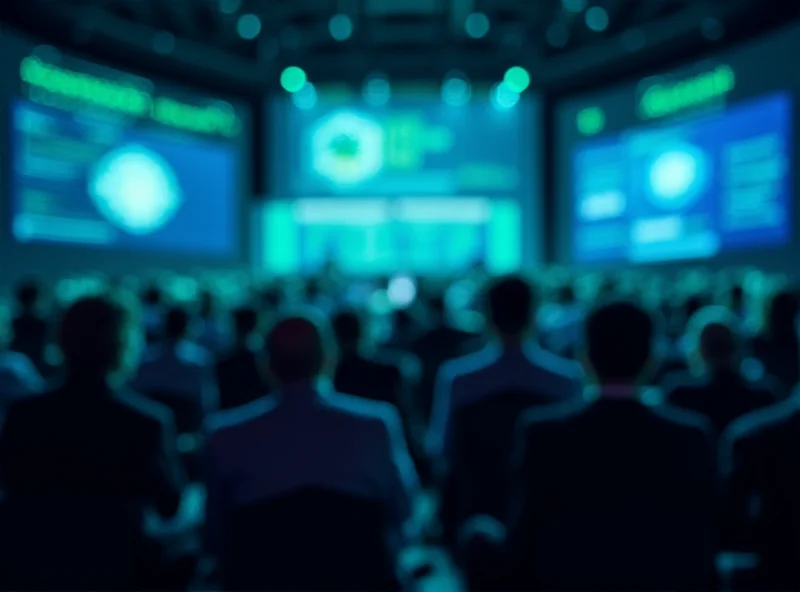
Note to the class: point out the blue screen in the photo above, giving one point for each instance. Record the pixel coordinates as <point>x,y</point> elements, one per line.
<point>95,179</point>
<point>415,145</point>
<point>687,189</point>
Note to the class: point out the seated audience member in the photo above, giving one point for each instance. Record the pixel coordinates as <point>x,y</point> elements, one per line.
<point>179,369</point>
<point>91,436</point>
<point>439,342</point>
<point>361,373</point>
<point>18,376</point>
<point>29,327</point>
<point>759,460</point>
<point>512,361</point>
<point>153,312</point>
<point>611,492</point>
<point>239,372</point>
<point>719,391</point>
<point>778,345</point>
<point>304,436</point>
<point>209,332</point>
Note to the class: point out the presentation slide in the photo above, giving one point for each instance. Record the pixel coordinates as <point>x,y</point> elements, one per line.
<point>109,161</point>
<point>415,184</point>
<point>695,164</point>
<point>432,237</point>
<point>87,179</point>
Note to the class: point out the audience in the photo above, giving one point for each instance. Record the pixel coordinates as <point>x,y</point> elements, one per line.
<point>718,390</point>
<point>179,373</point>
<point>239,371</point>
<point>511,361</point>
<point>609,489</point>
<point>30,328</point>
<point>533,486</point>
<point>18,376</point>
<point>306,435</point>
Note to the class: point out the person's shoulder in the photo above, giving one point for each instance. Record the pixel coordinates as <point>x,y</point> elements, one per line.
<point>553,415</point>
<point>469,364</point>
<point>554,365</point>
<point>680,381</point>
<point>766,422</point>
<point>682,420</point>
<point>363,410</point>
<point>196,355</point>
<point>233,419</point>
<point>135,404</point>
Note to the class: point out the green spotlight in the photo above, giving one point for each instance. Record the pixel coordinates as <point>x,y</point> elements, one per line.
<point>293,79</point>
<point>517,79</point>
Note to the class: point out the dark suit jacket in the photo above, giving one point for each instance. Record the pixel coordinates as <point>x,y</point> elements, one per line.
<point>721,397</point>
<point>378,378</point>
<point>87,441</point>
<point>616,461</point>
<point>239,378</point>
<point>760,463</point>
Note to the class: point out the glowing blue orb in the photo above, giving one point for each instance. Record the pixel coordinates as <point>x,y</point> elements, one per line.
<point>348,148</point>
<point>135,189</point>
<point>676,177</point>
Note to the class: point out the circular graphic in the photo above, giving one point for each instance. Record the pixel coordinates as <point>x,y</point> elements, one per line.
<point>677,177</point>
<point>348,148</point>
<point>135,189</point>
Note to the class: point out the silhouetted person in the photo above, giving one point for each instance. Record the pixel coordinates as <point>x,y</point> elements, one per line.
<point>18,376</point>
<point>91,436</point>
<point>439,342</point>
<point>239,372</point>
<point>759,459</point>
<point>305,435</point>
<point>153,312</point>
<point>361,371</point>
<point>511,362</point>
<point>719,391</point>
<point>778,347</point>
<point>210,335</point>
<point>29,327</point>
<point>611,492</point>
<point>179,373</point>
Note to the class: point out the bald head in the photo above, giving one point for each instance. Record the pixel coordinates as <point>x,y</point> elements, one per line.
<point>297,348</point>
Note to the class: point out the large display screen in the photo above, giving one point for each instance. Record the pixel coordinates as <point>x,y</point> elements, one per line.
<point>415,184</point>
<point>88,179</point>
<point>696,164</point>
<point>122,172</point>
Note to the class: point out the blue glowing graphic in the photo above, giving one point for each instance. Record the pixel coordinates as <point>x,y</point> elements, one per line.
<point>677,177</point>
<point>348,149</point>
<point>135,189</point>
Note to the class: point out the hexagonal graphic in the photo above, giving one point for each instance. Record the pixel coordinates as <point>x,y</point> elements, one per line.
<point>348,148</point>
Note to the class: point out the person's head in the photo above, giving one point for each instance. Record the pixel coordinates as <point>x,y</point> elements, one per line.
<point>246,322</point>
<point>298,349</point>
<point>713,338</point>
<point>100,337</point>
<point>27,294</point>
<point>348,330</point>
<point>152,296</point>
<point>206,304</point>
<point>177,323</point>
<point>618,343</point>
<point>782,314</point>
<point>510,302</point>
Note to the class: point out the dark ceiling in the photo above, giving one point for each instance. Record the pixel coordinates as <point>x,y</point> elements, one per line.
<point>409,39</point>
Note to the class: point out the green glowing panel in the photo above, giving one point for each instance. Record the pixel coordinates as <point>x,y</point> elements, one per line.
<point>664,99</point>
<point>280,255</point>
<point>504,249</point>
